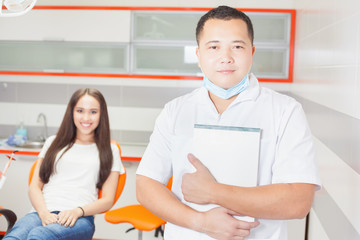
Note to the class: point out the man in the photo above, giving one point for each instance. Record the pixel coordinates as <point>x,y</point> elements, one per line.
<point>287,176</point>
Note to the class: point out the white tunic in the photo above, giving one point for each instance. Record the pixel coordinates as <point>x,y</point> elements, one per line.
<point>76,173</point>
<point>286,146</point>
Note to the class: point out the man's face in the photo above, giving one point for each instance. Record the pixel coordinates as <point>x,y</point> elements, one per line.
<point>225,52</point>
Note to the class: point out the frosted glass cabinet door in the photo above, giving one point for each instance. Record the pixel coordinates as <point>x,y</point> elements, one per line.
<point>271,27</point>
<point>63,57</point>
<point>165,60</point>
<point>155,35</point>
<point>270,63</point>
<point>167,26</point>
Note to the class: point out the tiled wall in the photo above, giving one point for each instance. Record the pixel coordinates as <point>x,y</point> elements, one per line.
<point>327,83</point>
<point>132,109</point>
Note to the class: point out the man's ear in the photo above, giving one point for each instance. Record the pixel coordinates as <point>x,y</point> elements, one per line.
<point>253,50</point>
<point>197,54</point>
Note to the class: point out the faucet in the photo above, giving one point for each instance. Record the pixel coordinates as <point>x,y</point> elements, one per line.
<point>43,137</point>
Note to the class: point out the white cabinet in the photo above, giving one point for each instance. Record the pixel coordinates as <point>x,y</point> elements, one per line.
<point>73,57</point>
<point>164,59</point>
<point>161,39</point>
<point>271,28</point>
<point>14,193</point>
<point>133,42</point>
<point>68,25</point>
<point>72,41</point>
<point>165,26</point>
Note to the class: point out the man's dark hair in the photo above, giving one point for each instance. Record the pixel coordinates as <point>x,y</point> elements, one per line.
<point>224,13</point>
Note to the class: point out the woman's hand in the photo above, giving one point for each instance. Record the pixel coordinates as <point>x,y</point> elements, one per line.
<point>48,218</point>
<point>68,218</point>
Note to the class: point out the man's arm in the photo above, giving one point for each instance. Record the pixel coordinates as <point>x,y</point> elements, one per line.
<point>275,201</point>
<point>217,223</point>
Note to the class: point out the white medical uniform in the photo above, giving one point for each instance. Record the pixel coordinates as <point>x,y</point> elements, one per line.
<point>286,146</point>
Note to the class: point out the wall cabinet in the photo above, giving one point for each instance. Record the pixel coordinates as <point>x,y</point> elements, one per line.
<point>61,57</point>
<point>155,35</point>
<point>68,25</point>
<point>133,42</point>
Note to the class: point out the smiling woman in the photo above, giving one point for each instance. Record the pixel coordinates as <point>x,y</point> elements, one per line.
<point>73,165</point>
<point>86,119</point>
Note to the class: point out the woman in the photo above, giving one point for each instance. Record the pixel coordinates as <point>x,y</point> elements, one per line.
<point>73,165</point>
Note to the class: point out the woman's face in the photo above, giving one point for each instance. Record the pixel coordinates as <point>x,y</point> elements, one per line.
<point>86,116</point>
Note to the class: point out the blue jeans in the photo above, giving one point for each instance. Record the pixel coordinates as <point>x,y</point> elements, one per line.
<point>29,227</point>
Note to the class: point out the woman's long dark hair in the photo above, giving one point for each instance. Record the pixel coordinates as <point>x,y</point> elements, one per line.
<point>66,136</point>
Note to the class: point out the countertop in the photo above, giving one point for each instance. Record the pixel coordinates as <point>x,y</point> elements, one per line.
<point>128,152</point>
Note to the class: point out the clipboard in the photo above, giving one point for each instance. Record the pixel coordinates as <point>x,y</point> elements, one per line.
<point>230,153</point>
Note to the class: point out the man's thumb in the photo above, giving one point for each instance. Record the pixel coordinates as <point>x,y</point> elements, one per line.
<point>194,161</point>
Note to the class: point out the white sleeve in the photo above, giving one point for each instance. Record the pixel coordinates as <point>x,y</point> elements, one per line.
<point>156,161</point>
<point>117,165</point>
<point>46,146</point>
<point>295,156</point>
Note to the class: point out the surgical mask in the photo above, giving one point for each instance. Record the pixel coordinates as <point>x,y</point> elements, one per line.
<point>226,93</point>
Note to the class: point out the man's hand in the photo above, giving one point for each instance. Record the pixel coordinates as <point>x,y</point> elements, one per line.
<point>196,187</point>
<point>219,223</point>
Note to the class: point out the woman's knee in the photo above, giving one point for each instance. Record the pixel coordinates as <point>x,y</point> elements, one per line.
<point>22,227</point>
<point>83,229</point>
<point>39,233</point>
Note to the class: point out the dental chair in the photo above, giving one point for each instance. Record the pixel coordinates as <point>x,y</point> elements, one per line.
<point>138,216</point>
<point>10,217</point>
<point>119,189</point>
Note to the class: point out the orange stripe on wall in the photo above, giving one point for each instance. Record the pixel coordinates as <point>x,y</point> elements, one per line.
<point>147,8</point>
<point>102,75</point>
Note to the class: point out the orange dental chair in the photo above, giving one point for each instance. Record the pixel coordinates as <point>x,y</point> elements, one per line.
<point>119,189</point>
<point>10,217</point>
<point>138,216</point>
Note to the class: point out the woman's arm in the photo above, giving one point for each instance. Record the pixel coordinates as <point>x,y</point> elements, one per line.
<point>217,223</point>
<point>37,198</point>
<point>69,217</point>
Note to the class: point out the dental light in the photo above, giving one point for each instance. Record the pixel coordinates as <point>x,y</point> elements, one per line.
<point>16,7</point>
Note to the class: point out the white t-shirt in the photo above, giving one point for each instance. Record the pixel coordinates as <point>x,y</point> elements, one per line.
<point>286,146</point>
<point>76,173</point>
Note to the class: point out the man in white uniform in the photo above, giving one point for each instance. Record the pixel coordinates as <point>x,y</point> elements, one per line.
<point>287,177</point>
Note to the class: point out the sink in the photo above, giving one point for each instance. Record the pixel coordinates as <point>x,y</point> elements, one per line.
<point>32,144</point>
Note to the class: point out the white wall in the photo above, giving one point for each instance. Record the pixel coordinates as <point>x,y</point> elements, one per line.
<point>327,78</point>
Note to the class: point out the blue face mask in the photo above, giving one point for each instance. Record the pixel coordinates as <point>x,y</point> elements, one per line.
<point>226,93</point>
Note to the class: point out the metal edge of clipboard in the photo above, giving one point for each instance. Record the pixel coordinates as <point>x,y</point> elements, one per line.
<point>232,128</point>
